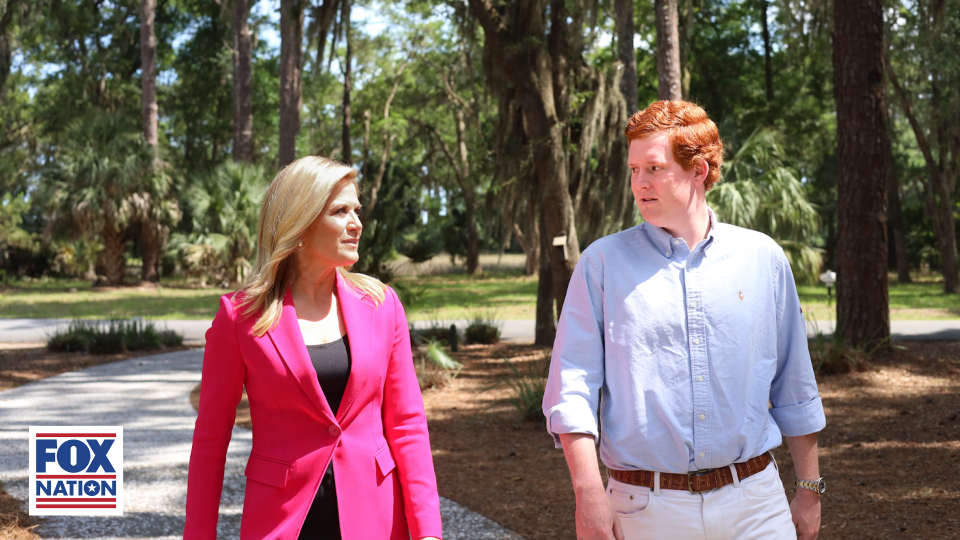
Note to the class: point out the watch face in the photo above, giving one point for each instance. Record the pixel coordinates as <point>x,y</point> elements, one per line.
<point>821,486</point>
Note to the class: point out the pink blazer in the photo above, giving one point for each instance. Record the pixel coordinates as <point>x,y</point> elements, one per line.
<point>386,486</point>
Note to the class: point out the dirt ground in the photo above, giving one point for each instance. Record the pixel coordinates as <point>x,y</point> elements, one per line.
<point>890,452</point>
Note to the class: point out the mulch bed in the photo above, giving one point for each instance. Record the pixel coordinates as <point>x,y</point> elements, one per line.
<point>890,452</point>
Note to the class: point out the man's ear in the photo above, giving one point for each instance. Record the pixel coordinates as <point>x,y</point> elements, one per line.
<point>700,169</point>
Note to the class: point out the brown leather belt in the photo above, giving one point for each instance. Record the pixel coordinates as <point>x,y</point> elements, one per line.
<point>695,481</point>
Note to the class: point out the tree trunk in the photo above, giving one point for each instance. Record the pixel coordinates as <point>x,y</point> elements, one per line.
<point>943,212</point>
<point>372,188</point>
<point>668,51</point>
<point>768,69</point>
<point>895,214</point>
<point>623,23</point>
<point>545,329</point>
<point>6,49</point>
<point>532,70</point>
<point>347,84</point>
<point>291,50</point>
<point>530,244</point>
<point>863,307</point>
<point>469,197</point>
<point>114,261</point>
<point>366,146</point>
<point>148,69</point>
<point>149,239</point>
<point>242,84</point>
<point>150,249</point>
<point>473,237</point>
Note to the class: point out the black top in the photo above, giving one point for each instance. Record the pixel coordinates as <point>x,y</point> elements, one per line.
<point>332,362</point>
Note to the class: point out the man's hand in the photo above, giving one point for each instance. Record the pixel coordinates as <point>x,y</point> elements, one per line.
<point>596,518</point>
<point>806,504</point>
<point>805,509</point>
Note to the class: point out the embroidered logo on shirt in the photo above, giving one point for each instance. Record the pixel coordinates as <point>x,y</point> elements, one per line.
<point>741,296</point>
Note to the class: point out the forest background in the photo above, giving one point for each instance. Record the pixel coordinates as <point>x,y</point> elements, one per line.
<point>144,132</point>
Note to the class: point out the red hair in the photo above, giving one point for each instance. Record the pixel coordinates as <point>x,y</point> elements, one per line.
<point>693,135</point>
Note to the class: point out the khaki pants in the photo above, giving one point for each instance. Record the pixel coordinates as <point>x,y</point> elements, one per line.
<point>755,508</point>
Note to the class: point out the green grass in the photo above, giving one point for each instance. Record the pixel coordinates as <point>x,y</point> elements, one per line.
<point>922,300</point>
<point>505,295</point>
<point>54,300</point>
<point>508,295</point>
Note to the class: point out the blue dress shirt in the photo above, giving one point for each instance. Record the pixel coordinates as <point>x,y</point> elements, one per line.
<point>700,356</point>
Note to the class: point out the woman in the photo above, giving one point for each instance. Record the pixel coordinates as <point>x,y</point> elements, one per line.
<point>340,444</point>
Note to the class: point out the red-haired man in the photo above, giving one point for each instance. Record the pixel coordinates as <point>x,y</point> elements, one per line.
<point>691,331</point>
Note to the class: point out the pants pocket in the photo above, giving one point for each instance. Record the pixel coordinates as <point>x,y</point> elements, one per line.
<point>627,500</point>
<point>765,483</point>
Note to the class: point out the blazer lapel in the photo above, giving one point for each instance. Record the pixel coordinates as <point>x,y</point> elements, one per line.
<point>288,340</point>
<point>358,318</point>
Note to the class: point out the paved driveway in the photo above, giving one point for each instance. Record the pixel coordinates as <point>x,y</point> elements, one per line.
<point>149,397</point>
<point>37,330</point>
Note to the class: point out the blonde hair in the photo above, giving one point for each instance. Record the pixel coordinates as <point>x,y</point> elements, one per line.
<point>292,202</point>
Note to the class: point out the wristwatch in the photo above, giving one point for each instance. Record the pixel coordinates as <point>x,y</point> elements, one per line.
<point>819,485</point>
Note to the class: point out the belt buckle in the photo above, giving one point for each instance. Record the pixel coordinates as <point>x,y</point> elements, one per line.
<point>690,476</point>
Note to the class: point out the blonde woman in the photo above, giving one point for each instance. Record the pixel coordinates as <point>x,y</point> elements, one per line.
<point>340,444</point>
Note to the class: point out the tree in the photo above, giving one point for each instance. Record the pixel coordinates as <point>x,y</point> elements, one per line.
<point>537,62</point>
<point>95,180</point>
<point>347,82</point>
<point>767,67</point>
<point>668,51</point>
<point>760,191</point>
<point>623,24</point>
<point>150,234</point>
<point>291,83</point>
<point>242,84</point>
<point>931,56</point>
<point>224,205</point>
<point>863,313</point>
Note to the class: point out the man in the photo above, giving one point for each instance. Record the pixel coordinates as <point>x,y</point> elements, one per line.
<point>692,332</point>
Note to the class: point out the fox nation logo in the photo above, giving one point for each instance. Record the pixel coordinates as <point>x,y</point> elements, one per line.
<point>76,471</point>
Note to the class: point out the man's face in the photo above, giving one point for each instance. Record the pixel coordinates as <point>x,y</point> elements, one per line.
<point>665,193</point>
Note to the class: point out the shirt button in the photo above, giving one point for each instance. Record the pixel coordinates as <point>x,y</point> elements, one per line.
<point>693,304</point>
<point>667,253</point>
<point>676,242</point>
<point>702,454</point>
<point>702,417</point>
<point>696,341</point>
<point>700,378</point>
<point>334,431</point>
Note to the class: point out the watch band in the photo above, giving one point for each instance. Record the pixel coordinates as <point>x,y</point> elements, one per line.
<point>817,485</point>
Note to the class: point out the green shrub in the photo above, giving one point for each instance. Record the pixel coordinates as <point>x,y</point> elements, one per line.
<point>528,386</point>
<point>435,332</point>
<point>441,370</point>
<point>112,338</point>
<point>831,356</point>
<point>483,330</point>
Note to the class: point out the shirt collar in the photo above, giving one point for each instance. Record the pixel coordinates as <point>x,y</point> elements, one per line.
<point>664,242</point>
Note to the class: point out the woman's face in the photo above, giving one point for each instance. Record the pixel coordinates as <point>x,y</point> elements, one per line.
<point>332,239</point>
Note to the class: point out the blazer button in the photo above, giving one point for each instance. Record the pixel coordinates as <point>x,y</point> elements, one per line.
<point>334,430</point>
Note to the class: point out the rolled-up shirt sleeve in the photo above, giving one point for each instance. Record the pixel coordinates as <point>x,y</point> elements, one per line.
<point>572,393</point>
<point>796,405</point>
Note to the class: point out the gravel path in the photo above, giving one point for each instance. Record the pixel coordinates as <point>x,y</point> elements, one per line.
<point>149,397</point>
